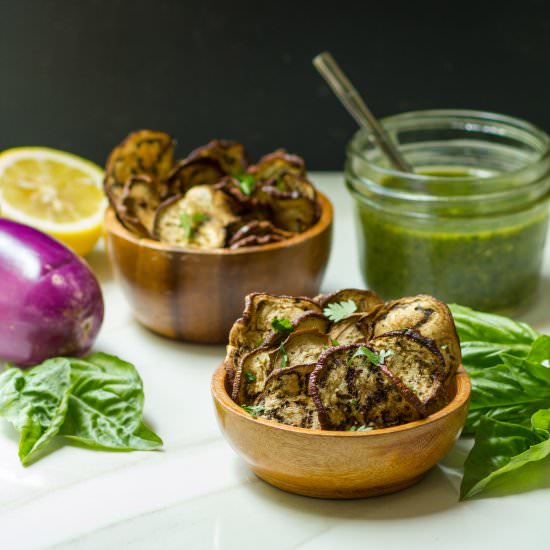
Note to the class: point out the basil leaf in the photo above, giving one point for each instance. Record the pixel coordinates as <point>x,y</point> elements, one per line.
<point>35,402</point>
<point>508,393</point>
<point>539,353</point>
<point>484,336</point>
<point>106,406</point>
<point>502,447</point>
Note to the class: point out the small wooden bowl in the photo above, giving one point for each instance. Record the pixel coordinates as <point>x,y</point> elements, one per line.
<point>196,295</point>
<point>343,465</point>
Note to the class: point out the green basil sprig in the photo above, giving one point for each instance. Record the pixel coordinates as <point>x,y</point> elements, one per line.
<point>96,401</point>
<point>508,363</point>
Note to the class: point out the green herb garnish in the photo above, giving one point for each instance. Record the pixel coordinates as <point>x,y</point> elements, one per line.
<point>96,401</point>
<point>250,377</point>
<point>373,357</point>
<point>281,186</point>
<point>284,356</point>
<point>282,326</point>
<point>364,428</point>
<point>247,183</point>
<point>510,396</point>
<point>334,342</point>
<point>340,310</point>
<point>189,222</point>
<point>253,410</point>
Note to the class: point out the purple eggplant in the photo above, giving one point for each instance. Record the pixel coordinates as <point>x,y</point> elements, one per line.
<point>50,301</point>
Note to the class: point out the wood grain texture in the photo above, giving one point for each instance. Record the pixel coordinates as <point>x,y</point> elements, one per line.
<point>196,295</point>
<point>341,465</point>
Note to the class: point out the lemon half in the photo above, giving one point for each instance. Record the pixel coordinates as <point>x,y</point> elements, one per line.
<point>55,192</point>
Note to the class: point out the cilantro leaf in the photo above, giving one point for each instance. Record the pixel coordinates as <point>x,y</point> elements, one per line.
<point>284,356</point>
<point>189,222</point>
<point>253,410</point>
<point>250,377</point>
<point>186,223</point>
<point>373,357</point>
<point>283,326</point>
<point>340,310</point>
<point>247,183</point>
<point>334,342</point>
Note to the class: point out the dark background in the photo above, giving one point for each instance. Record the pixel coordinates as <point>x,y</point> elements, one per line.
<point>80,74</point>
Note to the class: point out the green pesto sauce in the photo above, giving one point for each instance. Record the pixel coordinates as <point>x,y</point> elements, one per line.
<point>496,268</point>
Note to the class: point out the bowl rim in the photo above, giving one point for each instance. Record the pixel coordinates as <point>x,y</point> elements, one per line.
<point>461,397</point>
<point>112,225</point>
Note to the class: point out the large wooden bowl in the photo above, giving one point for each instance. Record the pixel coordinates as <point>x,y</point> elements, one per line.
<point>196,295</point>
<point>330,464</point>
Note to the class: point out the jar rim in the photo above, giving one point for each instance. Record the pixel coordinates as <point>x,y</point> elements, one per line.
<point>504,186</point>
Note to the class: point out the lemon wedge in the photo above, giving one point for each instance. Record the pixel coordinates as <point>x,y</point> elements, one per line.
<point>56,192</point>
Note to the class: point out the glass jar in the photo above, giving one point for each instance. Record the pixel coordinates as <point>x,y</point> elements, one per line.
<point>469,226</point>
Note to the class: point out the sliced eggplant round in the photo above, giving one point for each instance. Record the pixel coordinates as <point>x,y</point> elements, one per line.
<point>145,152</point>
<point>355,329</point>
<point>259,228</point>
<point>349,390</point>
<point>285,398</point>
<point>196,220</point>
<point>191,173</point>
<point>138,204</point>
<point>255,327</point>
<point>418,363</point>
<point>276,164</point>
<point>311,320</point>
<point>301,348</point>
<point>365,300</point>
<point>429,317</point>
<point>251,374</point>
<point>230,155</point>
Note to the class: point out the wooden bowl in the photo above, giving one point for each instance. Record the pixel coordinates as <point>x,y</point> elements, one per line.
<point>343,465</point>
<point>196,295</point>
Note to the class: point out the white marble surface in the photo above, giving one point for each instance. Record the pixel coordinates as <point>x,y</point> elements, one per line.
<point>197,493</point>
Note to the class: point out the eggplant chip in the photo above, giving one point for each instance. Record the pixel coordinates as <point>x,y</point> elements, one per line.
<point>191,173</point>
<point>251,374</point>
<point>365,300</point>
<point>255,327</point>
<point>230,155</point>
<point>355,329</point>
<point>294,207</point>
<point>301,348</point>
<point>256,240</point>
<point>145,152</point>
<point>418,363</point>
<point>349,390</point>
<point>259,228</point>
<point>197,220</point>
<point>428,316</point>
<point>311,320</point>
<point>285,398</point>
<point>277,164</point>
<point>139,202</point>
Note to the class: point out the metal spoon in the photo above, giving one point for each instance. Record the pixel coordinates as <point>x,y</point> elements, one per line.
<point>357,108</point>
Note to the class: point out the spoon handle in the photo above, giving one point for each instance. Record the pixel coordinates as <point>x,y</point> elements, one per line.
<point>352,101</point>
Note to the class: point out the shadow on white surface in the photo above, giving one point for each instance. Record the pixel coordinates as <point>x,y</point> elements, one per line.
<point>432,495</point>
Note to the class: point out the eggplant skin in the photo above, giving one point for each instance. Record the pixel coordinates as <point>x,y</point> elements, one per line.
<point>285,398</point>
<point>350,391</point>
<point>429,317</point>
<point>50,301</point>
